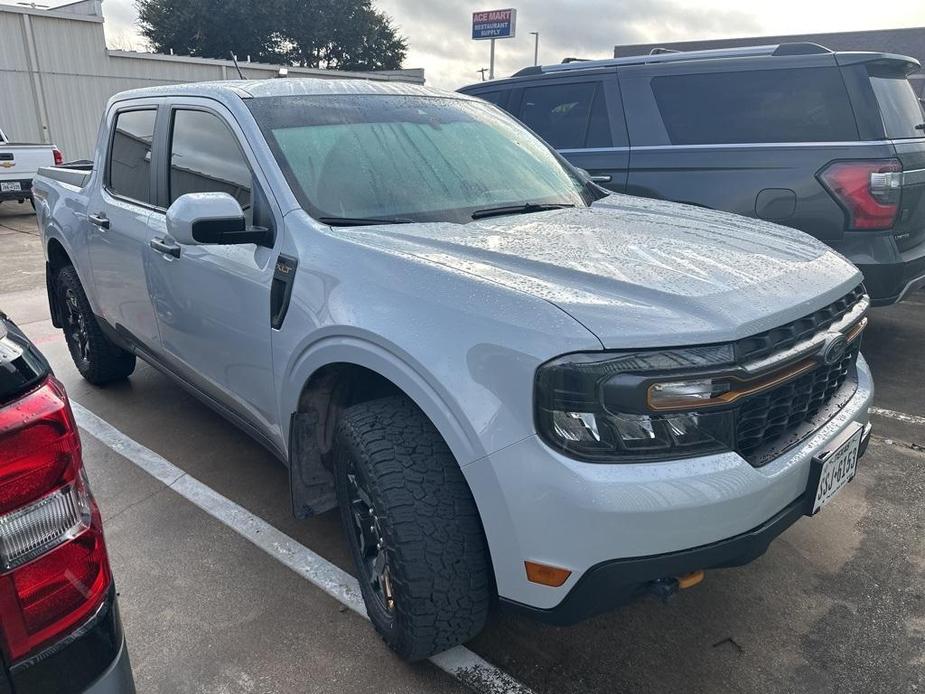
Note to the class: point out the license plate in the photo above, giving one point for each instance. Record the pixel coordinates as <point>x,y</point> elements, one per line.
<point>10,187</point>
<point>835,468</point>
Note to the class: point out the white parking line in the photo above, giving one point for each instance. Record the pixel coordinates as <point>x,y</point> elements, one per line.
<point>901,416</point>
<point>460,662</point>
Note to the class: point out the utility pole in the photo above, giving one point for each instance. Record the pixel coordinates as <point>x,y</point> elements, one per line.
<point>491,62</point>
<point>536,47</point>
<point>482,72</point>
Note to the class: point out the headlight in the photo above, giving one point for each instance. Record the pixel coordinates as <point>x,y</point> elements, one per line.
<point>604,407</point>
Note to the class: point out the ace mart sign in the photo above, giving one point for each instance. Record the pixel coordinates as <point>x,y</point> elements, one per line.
<point>494,24</point>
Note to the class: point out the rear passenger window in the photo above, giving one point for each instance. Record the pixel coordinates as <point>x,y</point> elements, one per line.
<point>130,154</point>
<point>205,158</point>
<point>900,107</point>
<point>567,116</point>
<point>795,105</point>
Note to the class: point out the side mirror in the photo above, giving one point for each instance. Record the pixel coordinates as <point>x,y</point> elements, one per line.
<point>211,218</point>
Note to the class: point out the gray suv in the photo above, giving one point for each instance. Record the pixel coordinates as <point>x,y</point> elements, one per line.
<point>828,143</point>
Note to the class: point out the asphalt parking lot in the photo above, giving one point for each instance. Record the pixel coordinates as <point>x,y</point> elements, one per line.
<point>836,605</point>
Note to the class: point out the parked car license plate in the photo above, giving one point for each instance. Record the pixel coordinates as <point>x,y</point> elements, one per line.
<point>10,187</point>
<point>834,468</point>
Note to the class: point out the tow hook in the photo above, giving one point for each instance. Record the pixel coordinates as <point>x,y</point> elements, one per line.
<point>665,588</point>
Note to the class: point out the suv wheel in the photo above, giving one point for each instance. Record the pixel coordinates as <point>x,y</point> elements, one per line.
<point>413,529</point>
<point>98,359</point>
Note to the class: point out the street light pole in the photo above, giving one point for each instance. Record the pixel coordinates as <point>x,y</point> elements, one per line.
<point>536,47</point>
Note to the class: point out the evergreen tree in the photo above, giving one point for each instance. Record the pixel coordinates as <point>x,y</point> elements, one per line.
<point>336,34</point>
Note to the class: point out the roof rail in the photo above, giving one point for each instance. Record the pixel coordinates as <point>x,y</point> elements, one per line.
<point>801,48</point>
<point>667,55</point>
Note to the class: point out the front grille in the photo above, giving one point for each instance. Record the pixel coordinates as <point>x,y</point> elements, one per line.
<point>786,336</point>
<point>763,419</point>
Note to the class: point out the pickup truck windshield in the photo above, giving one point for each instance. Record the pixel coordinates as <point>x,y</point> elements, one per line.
<point>410,158</point>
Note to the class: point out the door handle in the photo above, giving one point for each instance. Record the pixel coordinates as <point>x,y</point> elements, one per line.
<point>99,219</point>
<point>602,178</point>
<point>167,249</point>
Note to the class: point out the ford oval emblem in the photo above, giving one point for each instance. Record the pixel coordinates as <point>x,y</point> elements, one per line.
<point>835,348</point>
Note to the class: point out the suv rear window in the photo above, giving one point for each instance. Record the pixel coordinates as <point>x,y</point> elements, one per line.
<point>567,116</point>
<point>793,105</point>
<point>899,106</point>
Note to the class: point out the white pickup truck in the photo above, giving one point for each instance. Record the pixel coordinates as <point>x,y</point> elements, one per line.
<point>517,387</point>
<point>19,163</point>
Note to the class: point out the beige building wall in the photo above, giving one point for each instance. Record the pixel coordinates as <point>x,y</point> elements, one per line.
<point>56,74</point>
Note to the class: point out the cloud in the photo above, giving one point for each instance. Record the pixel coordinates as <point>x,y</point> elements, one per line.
<point>438,32</point>
<point>439,35</point>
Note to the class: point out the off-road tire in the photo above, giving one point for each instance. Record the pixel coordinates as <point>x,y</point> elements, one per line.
<point>101,361</point>
<point>436,552</point>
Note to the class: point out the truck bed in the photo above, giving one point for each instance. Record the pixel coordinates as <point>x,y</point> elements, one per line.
<point>75,174</point>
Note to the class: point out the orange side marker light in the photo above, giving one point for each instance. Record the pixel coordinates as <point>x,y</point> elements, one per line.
<point>690,580</point>
<point>546,575</point>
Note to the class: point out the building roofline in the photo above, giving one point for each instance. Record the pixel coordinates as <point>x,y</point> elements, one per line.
<point>36,12</point>
<point>383,75</point>
<point>770,38</point>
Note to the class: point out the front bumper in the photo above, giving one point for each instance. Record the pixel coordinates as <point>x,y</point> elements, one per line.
<point>617,527</point>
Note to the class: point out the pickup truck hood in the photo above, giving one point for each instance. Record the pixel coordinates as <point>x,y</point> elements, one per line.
<point>639,272</point>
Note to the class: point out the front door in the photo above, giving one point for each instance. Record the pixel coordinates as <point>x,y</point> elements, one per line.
<point>583,119</point>
<point>118,234</point>
<point>213,301</point>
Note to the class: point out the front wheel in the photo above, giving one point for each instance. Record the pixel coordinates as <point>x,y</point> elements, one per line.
<point>413,529</point>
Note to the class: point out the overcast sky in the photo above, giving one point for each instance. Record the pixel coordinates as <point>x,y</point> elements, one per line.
<point>438,31</point>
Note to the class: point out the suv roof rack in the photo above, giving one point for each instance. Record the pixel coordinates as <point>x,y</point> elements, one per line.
<point>668,55</point>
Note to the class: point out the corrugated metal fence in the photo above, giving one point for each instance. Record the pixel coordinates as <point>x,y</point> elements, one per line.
<point>56,74</point>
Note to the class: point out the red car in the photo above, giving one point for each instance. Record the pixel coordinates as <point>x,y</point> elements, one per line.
<point>59,621</point>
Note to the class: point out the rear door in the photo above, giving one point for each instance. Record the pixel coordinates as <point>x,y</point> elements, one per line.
<point>116,225</point>
<point>745,136</point>
<point>582,117</point>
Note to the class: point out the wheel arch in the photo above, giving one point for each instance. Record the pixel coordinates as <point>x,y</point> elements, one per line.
<point>341,371</point>
<point>56,258</point>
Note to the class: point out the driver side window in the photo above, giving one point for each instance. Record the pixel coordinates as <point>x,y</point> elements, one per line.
<point>205,157</point>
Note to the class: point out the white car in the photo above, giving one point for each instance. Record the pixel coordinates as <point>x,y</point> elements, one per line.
<point>514,384</point>
<point>18,165</point>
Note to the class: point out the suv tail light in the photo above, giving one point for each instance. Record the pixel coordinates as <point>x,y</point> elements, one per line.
<point>868,190</point>
<point>54,571</point>
<point>59,157</point>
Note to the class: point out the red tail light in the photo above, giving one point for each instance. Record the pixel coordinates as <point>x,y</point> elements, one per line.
<point>54,571</point>
<point>867,190</point>
<point>59,157</point>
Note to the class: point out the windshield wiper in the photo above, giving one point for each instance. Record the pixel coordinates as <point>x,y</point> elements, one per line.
<point>362,221</point>
<point>519,209</point>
